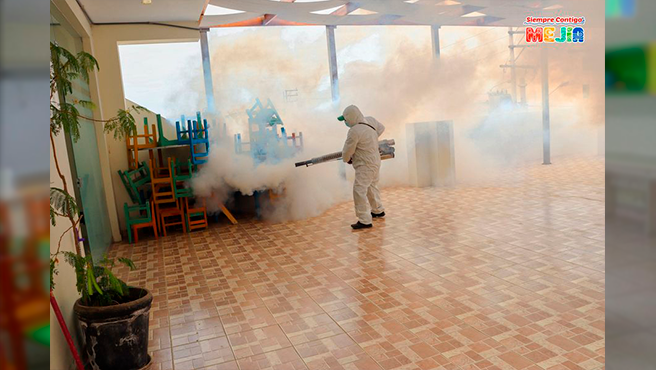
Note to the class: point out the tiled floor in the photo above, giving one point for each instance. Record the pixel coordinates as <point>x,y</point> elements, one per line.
<point>504,276</point>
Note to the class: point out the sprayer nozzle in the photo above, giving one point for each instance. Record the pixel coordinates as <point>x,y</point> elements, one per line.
<point>340,118</point>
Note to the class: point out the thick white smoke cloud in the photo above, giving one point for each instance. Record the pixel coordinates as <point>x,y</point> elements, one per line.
<point>396,80</point>
<point>302,192</point>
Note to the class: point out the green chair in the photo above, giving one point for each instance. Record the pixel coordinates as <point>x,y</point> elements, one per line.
<point>134,196</point>
<point>163,141</point>
<point>195,212</point>
<point>134,180</point>
<point>144,218</point>
<point>179,177</point>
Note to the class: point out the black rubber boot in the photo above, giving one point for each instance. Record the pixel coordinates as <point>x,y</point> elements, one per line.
<point>360,225</point>
<point>378,215</point>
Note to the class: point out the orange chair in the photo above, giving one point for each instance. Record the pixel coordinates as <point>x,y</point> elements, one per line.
<point>161,186</point>
<point>167,206</point>
<point>196,213</point>
<point>166,213</point>
<point>136,142</point>
<point>157,165</point>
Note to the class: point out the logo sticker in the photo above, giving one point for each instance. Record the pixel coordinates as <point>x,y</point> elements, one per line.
<point>555,29</point>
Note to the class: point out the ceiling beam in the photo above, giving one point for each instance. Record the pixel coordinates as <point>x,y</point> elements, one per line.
<point>269,17</point>
<point>346,9</point>
<point>202,13</point>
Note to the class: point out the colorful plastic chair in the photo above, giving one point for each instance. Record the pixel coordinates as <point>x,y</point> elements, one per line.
<point>159,168</point>
<point>182,130</point>
<point>134,196</point>
<point>166,204</point>
<point>180,176</point>
<point>136,142</point>
<point>165,214</point>
<point>196,213</point>
<point>200,142</point>
<point>134,180</point>
<point>163,141</point>
<point>143,219</point>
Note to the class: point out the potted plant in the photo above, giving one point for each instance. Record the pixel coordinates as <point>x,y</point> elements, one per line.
<point>113,316</point>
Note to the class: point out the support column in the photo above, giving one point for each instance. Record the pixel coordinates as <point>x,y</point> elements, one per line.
<point>332,62</point>
<point>207,70</point>
<point>513,70</point>
<point>522,91</point>
<point>435,41</point>
<point>546,130</point>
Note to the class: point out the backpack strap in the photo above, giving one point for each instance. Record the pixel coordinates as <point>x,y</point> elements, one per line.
<point>372,127</point>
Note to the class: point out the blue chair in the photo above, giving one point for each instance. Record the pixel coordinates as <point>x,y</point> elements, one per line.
<point>200,141</point>
<point>182,130</point>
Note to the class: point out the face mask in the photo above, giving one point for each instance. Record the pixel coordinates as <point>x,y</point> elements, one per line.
<point>341,118</point>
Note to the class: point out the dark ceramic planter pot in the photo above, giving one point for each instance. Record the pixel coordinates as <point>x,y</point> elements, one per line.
<point>116,337</point>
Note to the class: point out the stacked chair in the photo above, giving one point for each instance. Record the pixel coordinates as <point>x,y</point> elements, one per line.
<point>158,168</point>
<point>167,206</point>
<point>163,141</point>
<point>159,190</point>
<point>140,214</point>
<point>196,213</point>
<point>195,210</point>
<point>200,142</point>
<point>169,201</point>
<point>136,142</point>
<point>182,130</point>
<point>144,218</point>
<point>192,133</point>
<point>135,181</point>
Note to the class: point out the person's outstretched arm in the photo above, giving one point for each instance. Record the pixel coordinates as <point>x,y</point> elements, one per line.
<point>349,146</point>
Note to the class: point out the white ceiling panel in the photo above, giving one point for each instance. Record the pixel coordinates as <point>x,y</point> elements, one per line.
<point>104,11</point>
<point>236,13</point>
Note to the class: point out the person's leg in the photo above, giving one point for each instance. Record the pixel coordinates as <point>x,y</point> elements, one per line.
<point>360,186</point>
<point>373,195</point>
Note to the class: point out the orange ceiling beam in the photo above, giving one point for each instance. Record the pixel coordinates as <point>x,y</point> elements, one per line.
<point>263,20</point>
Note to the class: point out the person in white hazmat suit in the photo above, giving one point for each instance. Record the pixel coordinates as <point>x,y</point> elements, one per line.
<point>361,150</point>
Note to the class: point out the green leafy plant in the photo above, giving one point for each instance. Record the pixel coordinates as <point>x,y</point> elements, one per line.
<point>96,283</point>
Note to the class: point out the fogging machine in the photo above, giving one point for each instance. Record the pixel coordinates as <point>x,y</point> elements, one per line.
<point>385,148</point>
